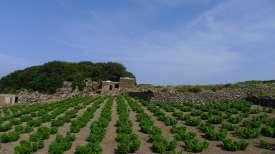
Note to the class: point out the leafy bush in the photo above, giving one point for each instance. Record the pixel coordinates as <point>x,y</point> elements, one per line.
<point>248,133</point>
<point>5,127</point>
<point>189,138</point>
<point>211,134</point>
<point>41,134</point>
<point>268,131</point>
<point>128,142</point>
<point>61,144</point>
<point>195,146</point>
<point>196,112</point>
<point>215,120</point>
<point>26,147</point>
<point>192,122</point>
<point>9,137</point>
<point>267,110</point>
<point>50,76</point>
<point>204,116</point>
<point>264,144</point>
<point>88,148</point>
<point>80,122</point>
<point>234,119</point>
<point>230,145</point>
<point>229,127</point>
<point>160,144</point>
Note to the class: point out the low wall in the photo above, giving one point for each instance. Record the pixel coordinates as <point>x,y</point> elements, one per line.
<point>229,94</point>
<point>201,97</point>
<point>263,101</point>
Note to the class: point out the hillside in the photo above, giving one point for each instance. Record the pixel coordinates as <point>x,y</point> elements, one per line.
<point>48,77</point>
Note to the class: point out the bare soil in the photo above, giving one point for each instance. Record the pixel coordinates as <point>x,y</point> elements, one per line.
<point>108,143</point>
<point>166,130</point>
<point>8,148</point>
<point>80,138</point>
<point>145,146</point>
<point>61,130</point>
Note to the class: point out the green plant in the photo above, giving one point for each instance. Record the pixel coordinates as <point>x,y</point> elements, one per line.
<point>9,137</point>
<point>26,147</point>
<point>215,120</point>
<point>268,131</point>
<point>248,133</point>
<point>234,119</point>
<point>192,122</point>
<point>264,144</point>
<point>128,142</point>
<point>61,144</point>
<point>195,146</point>
<point>231,145</point>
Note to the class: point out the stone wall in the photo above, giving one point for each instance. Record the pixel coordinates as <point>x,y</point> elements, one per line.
<point>268,101</point>
<point>229,94</point>
<point>65,92</point>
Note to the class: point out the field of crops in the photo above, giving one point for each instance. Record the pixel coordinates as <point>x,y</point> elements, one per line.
<point>106,124</point>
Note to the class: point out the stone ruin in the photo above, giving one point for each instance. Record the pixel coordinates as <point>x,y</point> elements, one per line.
<point>109,87</point>
<point>6,99</point>
<point>91,88</point>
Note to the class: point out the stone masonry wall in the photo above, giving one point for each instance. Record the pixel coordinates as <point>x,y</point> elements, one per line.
<point>236,94</point>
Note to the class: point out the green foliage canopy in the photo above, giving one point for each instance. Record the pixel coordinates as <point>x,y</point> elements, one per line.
<point>50,76</point>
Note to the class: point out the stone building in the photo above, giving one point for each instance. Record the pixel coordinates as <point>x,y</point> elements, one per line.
<point>127,83</point>
<point>8,99</point>
<point>109,87</point>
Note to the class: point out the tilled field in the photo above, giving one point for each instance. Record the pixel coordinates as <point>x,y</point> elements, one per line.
<point>123,125</point>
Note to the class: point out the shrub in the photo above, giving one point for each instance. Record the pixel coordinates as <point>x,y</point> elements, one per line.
<point>268,131</point>
<point>5,127</point>
<point>229,127</point>
<point>196,112</point>
<point>195,146</point>
<point>248,133</point>
<point>204,116</point>
<point>26,147</point>
<point>264,144</point>
<point>9,137</point>
<point>211,134</point>
<point>267,110</point>
<point>178,115</point>
<point>230,145</point>
<point>88,148</point>
<point>234,119</point>
<point>41,134</point>
<point>192,122</point>
<point>254,111</point>
<point>215,120</point>
<point>61,144</point>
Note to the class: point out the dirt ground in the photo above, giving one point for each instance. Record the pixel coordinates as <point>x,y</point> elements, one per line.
<point>80,138</point>
<point>108,143</point>
<point>215,147</point>
<point>145,146</point>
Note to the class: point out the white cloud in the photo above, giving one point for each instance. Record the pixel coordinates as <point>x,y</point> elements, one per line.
<point>220,45</point>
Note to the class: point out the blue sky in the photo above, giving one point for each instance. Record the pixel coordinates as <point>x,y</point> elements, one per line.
<point>160,41</point>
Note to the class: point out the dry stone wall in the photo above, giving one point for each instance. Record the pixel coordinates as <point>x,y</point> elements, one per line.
<point>65,92</point>
<point>229,94</point>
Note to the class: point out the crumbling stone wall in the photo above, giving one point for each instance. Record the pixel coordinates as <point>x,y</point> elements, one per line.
<point>65,92</point>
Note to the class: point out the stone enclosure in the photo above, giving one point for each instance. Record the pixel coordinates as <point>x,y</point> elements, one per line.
<point>91,88</point>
